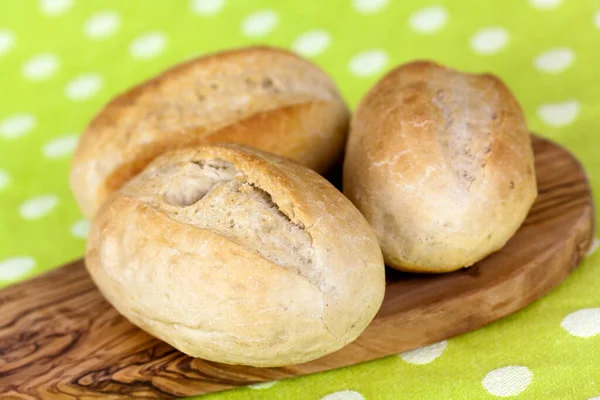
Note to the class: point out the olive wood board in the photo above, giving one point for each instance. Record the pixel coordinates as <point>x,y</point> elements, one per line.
<point>60,339</point>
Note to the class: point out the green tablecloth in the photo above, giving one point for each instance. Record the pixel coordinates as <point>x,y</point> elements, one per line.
<point>61,60</point>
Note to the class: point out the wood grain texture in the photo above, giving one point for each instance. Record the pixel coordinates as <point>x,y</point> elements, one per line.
<point>59,339</point>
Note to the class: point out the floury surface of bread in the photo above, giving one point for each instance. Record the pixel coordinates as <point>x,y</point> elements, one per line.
<point>262,97</point>
<point>441,165</point>
<point>237,256</point>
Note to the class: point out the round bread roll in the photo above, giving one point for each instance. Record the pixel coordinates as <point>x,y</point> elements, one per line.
<point>262,97</point>
<point>237,256</point>
<point>441,165</point>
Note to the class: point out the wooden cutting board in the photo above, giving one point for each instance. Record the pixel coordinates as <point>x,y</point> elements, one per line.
<point>60,339</point>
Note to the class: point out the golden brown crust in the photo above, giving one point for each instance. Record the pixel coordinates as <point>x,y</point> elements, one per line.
<point>214,295</point>
<point>440,163</point>
<point>259,96</point>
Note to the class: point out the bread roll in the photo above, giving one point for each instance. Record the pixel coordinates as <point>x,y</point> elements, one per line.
<point>237,256</point>
<point>262,97</point>
<point>440,163</point>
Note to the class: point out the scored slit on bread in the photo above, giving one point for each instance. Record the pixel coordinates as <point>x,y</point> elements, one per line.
<point>214,195</point>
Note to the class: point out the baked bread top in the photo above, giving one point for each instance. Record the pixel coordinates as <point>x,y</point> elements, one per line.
<point>440,163</point>
<point>262,97</point>
<point>237,256</point>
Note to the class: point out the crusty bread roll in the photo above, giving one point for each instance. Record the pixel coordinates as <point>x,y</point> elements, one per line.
<point>237,256</point>
<point>262,97</point>
<point>440,163</point>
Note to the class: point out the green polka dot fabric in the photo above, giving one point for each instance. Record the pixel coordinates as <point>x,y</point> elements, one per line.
<point>61,60</point>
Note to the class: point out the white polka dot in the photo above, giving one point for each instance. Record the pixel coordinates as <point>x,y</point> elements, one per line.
<point>369,6</point>
<point>59,147</point>
<point>38,207</point>
<point>596,21</point>
<point>17,125</point>
<point>429,20</point>
<point>594,246</point>
<point>369,62</point>
<point>261,386</point>
<point>583,323</point>
<point>545,4</point>
<point>594,398</point>
<point>102,25</point>
<point>41,67</point>
<point>344,395</point>
<point>260,23</point>
<point>424,355</point>
<point>7,41</point>
<point>559,114</point>
<point>489,40</point>
<point>84,86</point>
<point>15,267</point>
<point>148,46</point>
<point>4,179</point>
<point>312,43</point>
<point>53,8</point>
<point>80,229</point>
<point>207,8</point>
<point>507,381</point>
<point>555,60</point>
